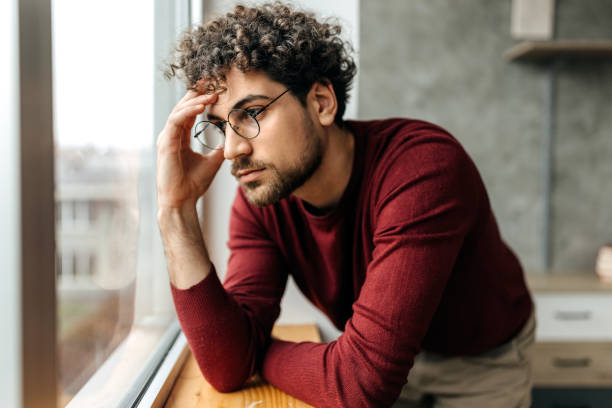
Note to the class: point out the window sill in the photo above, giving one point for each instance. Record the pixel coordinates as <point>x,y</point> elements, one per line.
<point>179,382</point>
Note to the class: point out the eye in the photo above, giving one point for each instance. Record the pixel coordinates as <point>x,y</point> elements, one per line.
<point>220,124</point>
<point>252,111</point>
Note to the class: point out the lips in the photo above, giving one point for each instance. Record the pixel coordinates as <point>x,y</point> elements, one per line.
<point>248,175</point>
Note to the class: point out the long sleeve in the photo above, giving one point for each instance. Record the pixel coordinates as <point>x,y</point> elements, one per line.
<point>423,214</point>
<point>228,326</point>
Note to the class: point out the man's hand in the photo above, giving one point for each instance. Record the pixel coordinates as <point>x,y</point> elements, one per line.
<point>182,177</point>
<point>182,174</point>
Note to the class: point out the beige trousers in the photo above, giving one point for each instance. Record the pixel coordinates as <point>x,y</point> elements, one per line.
<point>501,377</point>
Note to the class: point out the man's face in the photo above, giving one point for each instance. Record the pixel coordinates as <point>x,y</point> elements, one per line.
<point>288,149</point>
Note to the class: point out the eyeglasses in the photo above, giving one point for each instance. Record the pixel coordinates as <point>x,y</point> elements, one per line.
<point>211,133</point>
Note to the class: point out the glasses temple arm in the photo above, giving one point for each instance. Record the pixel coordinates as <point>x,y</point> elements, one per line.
<point>255,114</point>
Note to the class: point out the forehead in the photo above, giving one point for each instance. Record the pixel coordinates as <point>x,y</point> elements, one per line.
<point>239,85</point>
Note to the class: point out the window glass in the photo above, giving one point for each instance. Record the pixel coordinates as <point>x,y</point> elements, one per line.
<point>103,131</point>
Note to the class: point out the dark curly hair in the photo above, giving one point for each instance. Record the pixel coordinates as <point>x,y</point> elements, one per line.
<point>290,46</point>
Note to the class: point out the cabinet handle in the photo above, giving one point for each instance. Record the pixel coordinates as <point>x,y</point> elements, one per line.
<point>562,362</point>
<point>573,314</point>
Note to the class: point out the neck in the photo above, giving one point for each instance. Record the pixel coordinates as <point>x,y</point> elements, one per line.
<point>325,187</point>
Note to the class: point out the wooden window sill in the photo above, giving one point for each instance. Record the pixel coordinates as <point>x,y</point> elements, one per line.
<point>191,390</point>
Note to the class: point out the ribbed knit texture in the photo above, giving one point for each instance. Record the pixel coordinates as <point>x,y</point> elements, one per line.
<point>410,259</point>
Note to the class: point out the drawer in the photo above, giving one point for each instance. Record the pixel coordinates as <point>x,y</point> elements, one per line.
<point>575,364</point>
<point>573,316</point>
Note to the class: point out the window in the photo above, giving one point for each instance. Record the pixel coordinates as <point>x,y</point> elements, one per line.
<point>103,127</point>
<point>113,297</point>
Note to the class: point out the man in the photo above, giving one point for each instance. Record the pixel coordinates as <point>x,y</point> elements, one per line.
<point>385,226</point>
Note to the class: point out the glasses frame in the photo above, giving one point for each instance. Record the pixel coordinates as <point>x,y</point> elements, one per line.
<point>227,121</point>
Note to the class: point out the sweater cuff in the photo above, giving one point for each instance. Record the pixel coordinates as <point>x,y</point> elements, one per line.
<point>202,299</point>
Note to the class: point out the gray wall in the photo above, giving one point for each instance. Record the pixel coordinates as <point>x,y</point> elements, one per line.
<point>442,61</point>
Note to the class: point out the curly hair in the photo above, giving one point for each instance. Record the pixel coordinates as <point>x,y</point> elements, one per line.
<point>290,46</point>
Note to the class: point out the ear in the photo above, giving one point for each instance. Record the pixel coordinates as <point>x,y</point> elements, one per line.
<point>324,102</point>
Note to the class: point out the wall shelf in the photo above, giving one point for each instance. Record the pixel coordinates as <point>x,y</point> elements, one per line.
<point>542,50</point>
<point>554,53</point>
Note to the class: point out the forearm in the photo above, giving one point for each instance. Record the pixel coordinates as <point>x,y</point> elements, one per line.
<point>186,254</point>
<point>214,324</point>
<point>219,332</point>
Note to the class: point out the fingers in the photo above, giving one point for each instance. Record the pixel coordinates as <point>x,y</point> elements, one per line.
<point>190,94</point>
<point>185,117</point>
<point>177,130</point>
<point>182,118</point>
<point>193,98</point>
<point>210,163</point>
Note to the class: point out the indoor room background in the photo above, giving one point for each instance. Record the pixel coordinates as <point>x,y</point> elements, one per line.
<point>540,132</point>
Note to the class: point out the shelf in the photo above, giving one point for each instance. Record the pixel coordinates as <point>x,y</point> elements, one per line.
<point>566,281</point>
<point>542,50</point>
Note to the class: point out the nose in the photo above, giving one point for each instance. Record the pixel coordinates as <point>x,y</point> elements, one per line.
<point>235,145</point>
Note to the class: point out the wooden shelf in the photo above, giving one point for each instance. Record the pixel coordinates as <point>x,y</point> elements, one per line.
<point>542,50</point>
<point>566,282</point>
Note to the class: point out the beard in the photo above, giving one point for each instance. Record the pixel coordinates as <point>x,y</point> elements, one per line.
<point>282,183</point>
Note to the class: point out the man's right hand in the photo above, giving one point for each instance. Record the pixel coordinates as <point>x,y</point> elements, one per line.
<point>182,177</point>
<point>182,174</point>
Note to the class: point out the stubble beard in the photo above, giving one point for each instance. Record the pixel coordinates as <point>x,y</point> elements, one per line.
<point>281,184</point>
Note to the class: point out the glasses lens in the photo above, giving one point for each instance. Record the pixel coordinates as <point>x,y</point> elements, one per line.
<point>243,123</point>
<point>210,135</point>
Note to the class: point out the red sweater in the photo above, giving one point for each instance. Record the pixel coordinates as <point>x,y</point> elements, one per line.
<point>411,259</point>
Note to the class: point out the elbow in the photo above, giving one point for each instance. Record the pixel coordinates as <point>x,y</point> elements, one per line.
<point>224,387</point>
<point>225,382</point>
<point>222,373</point>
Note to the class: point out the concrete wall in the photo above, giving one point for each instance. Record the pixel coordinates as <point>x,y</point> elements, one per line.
<point>442,61</point>
<point>582,198</point>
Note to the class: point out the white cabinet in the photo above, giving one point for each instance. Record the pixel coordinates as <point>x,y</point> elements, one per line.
<point>573,331</point>
<point>573,316</point>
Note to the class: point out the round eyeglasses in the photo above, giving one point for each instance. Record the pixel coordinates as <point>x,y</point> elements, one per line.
<point>211,133</point>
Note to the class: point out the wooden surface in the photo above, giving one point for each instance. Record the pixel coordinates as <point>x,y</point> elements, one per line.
<point>567,282</point>
<point>191,390</point>
<point>534,50</point>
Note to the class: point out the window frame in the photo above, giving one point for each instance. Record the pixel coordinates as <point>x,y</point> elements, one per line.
<point>29,272</point>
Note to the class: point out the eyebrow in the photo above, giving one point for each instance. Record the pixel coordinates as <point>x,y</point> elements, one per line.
<point>240,103</point>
